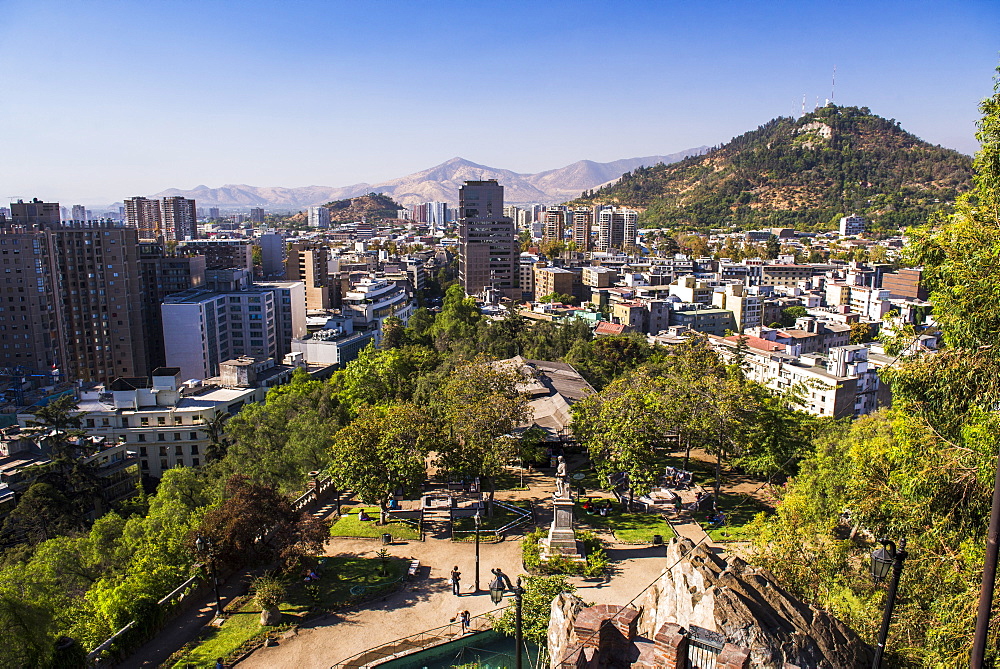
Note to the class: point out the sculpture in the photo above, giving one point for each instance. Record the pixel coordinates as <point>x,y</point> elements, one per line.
<point>562,479</point>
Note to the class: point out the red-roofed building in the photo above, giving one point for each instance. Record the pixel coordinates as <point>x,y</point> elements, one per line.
<point>607,328</point>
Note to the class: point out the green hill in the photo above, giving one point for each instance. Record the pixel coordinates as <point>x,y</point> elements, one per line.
<point>374,206</point>
<point>802,173</point>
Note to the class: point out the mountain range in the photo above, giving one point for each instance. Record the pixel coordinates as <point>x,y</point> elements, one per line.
<point>439,183</point>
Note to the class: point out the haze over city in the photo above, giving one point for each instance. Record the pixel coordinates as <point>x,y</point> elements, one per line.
<point>109,100</point>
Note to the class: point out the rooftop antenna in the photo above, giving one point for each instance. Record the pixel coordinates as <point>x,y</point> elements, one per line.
<point>833,84</point>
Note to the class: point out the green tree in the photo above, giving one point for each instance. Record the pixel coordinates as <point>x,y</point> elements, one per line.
<point>479,407</point>
<point>789,314</point>
<point>382,450</point>
<point>457,321</point>
<point>536,608</point>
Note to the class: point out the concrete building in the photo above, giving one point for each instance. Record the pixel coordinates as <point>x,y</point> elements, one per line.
<point>595,276</point>
<point>163,275</point>
<point>220,253</point>
<point>852,225</point>
<point>290,305</point>
<point>692,291</point>
<point>487,246</point>
<point>319,217</point>
<point>79,213</point>
<point>554,225</point>
<point>709,321</point>
<point>583,221</point>
<point>336,343</point>
<point>616,228</point>
<point>310,265</point>
<point>372,300</point>
<point>180,219</point>
<point>785,275</point>
<point>905,284</point>
<point>35,212</point>
<point>747,308</point>
<point>550,280</point>
<point>272,253</point>
<point>202,329</point>
<point>257,215</point>
<point>144,215</point>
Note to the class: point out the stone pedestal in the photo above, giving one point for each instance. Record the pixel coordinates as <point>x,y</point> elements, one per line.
<point>562,540</point>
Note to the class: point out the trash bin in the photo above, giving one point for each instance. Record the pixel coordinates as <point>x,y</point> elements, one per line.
<point>657,539</point>
<point>387,538</point>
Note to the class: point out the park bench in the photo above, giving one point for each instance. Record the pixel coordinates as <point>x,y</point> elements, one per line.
<point>414,568</point>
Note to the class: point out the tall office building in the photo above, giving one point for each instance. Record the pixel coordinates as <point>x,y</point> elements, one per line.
<point>79,213</point>
<point>256,215</point>
<point>180,219</point>
<point>213,213</point>
<point>272,253</point>
<point>616,228</point>
<point>487,241</point>
<point>144,215</point>
<point>583,219</point>
<point>310,265</point>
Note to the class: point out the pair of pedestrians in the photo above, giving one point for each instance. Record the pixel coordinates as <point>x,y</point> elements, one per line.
<point>500,583</point>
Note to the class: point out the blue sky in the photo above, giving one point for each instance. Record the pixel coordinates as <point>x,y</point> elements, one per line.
<point>104,100</point>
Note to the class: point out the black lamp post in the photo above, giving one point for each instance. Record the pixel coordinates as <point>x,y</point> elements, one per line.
<point>884,560</point>
<point>204,547</point>
<point>518,638</point>
<point>476,518</point>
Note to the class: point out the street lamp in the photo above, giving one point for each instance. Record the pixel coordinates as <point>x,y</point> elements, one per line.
<point>476,518</point>
<point>518,638</point>
<point>204,547</point>
<point>885,559</point>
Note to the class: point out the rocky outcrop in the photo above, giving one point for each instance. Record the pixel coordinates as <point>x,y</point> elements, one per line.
<point>753,615</point>
<point>561,638</point>
<point>749,609</point>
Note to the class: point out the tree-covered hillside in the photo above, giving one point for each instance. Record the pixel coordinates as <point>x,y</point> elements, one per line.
<point>372,206</point>
<point>804,172</point>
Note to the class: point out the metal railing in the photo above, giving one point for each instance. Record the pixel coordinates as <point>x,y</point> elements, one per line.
<point>524,516</point>
<point>703,651</point>
<point>416,642</point>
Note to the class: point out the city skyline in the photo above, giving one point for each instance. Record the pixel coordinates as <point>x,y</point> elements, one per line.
<point>337,93</point>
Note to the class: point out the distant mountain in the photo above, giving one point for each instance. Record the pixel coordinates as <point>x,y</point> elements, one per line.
<point>801,173</point>
<point>439,183</point>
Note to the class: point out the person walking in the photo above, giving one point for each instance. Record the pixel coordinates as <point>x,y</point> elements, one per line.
<point>456,581</point>
<point>466,618</point>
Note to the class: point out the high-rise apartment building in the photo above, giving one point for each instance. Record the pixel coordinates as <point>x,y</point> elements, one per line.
<point>272,254</point>
<point>256,215</point>
<point>100,299</point>
<point>487,241</point>
<point>180,219</point>
<point>616,228</point>
<point>583,220</point>
<point>310,265</point>
<point>220,253</point>
<point>213,213</point>
<point>290,310</point>
<point>79,213</point>
<point>144,215</point>
<point>852,225</point>
<point>319,217</point>
<point>554,225</point>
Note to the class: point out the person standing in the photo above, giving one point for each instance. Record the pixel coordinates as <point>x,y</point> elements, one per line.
<point>456,581</point>
<point>466,619</point>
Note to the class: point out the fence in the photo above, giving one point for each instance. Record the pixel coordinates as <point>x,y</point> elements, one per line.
<point>416,642</point>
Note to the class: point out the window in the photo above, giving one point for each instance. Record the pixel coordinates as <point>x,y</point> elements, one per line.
<point>144,422</point>
<point>161,437</point>
<point>194,449</point>
<point>193,436</point>
<point>141,437</point>
<point>177,436</point>
<point>177,420</point>
<point>90,422</point>
<point>161,420</point>
<point>195,462</point>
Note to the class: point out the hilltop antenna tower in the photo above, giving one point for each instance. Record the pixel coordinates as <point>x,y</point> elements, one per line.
<point>803,106</point>
<point>833,85</point>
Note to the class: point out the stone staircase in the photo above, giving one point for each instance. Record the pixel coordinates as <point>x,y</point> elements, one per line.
<point>437,522</point>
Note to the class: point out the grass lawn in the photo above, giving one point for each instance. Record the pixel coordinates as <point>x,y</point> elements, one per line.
<point>348,525</point>
<point>500,517</point>
<point>338,577</point>
<point>631,528</point>
<point>739,510</point>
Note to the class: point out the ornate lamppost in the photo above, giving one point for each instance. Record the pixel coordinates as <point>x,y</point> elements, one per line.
<point>518,636</point>
<point>884,560</point>
<point>204,547</point>
<point>476,518</point>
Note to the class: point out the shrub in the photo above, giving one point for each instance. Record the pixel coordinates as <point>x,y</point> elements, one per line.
<point>268,592</point>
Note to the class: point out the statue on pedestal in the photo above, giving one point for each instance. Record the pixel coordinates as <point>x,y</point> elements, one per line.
<point>562,479</point>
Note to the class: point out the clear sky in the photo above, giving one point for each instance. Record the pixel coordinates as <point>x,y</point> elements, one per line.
<point>105,100</point>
